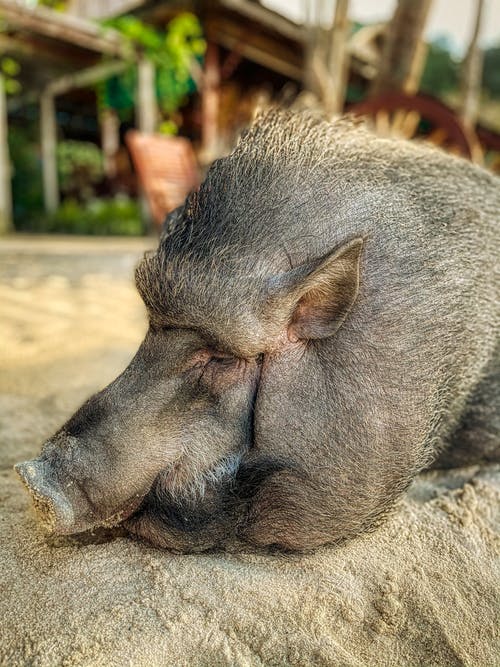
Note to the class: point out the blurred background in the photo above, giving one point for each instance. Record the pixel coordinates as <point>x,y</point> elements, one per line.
<point>111,110</point>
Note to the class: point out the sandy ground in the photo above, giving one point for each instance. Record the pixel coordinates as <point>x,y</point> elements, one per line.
<point>422,590</point>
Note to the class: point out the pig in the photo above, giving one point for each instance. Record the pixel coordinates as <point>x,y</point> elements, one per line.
<point>323,324</point>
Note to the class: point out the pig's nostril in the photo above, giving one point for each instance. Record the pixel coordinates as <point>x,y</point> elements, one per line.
<point>52,507</point>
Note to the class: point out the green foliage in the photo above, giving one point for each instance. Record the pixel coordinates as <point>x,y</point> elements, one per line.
<point>175,53</point>
<point>118,93</point>
<point>27,189</point>
<point>118,216</point>
<point>168,127</point>
<point>140,34</point>
<point>441,72</point>
<point>491,72</point>
<point>58,5</point>
<point>80,167</point>
<point>10,68</point>
<point>184,46</point>
<point>76,160</point>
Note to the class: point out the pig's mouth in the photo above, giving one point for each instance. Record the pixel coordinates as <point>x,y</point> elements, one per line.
<point>58,514</point>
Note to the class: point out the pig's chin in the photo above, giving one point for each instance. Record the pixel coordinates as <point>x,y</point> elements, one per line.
<point>84,525</point>
<point>87,522</point>
<point>121,515</point>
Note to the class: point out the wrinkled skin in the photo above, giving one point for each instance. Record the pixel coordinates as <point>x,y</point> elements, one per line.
<point>194,410</point>
<point>323,324</point>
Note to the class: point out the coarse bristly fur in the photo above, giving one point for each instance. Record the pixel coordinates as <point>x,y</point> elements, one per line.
<point>351,284</point>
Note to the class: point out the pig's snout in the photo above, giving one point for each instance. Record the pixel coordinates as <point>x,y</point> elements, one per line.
<point>51,504</point>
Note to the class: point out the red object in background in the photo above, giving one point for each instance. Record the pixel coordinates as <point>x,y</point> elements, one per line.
<point>166,168</point>
<point>401,114</point>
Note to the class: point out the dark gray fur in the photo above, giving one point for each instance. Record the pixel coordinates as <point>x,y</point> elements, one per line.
<point>320,437</point>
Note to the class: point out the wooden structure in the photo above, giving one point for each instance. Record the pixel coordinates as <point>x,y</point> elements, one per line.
<point>59,53</point>
<point>326,58</point>
<point>167,170</point>
<point>403,53</point>
<point>410,116</point>
<point>5,187</point>
<point>472,68</point>
<point>249,47</point>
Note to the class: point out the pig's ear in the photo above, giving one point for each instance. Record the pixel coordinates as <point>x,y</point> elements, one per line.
<point>321,299</point>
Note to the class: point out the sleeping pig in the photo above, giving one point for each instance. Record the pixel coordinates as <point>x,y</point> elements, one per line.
<point>323,324</point>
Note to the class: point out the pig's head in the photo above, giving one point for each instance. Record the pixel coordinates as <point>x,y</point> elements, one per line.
<point>231,322</point>
<point>181,407</point>
<point>185,406</point>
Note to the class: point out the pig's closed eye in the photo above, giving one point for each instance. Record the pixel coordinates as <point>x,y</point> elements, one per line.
<point>204,359</point>
<point>215,371</point>
<point>223,362</point>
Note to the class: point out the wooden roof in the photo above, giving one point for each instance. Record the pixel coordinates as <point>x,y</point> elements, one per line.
<point>253,31</point>
<point>49,44</point>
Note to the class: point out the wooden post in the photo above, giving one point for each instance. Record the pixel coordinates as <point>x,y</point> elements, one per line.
<point>337,63</point>
<point>147,116</point>
<point>5,184</point>
<point>48,137</point>
<point>472,68</point>
<point>398,70</point>
<point>147,111</point>
<point>110,140</point>
<point>417,67</point>
<point>210,104</point>
<point>313,50</point>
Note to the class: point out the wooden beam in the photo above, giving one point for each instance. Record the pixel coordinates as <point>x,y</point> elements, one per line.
<point>87,77</point>
<point>47,54</point>
<point>147,110</point>
<point>401,62</point>
<point>146,117</point>
<point>16,45</point>
<point>44,21</point>
<point>5,182</point>
<point>210,98</point>
<point>110,140</point>
<point>267,18</point>
<point>253,43</point>
<point>258,56</point>
<point>472,69</point>
<point>48,138</point>
<point>338,59</point>
<point>97,9</point>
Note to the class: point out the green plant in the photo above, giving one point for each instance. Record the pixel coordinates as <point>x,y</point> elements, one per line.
<point>115,216</point>
<point>9,69</point>
<point>177,54</point>
<point>491,72</point>
<point>80,167</point>
<point>441,71</point>
<point>27,190</point>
